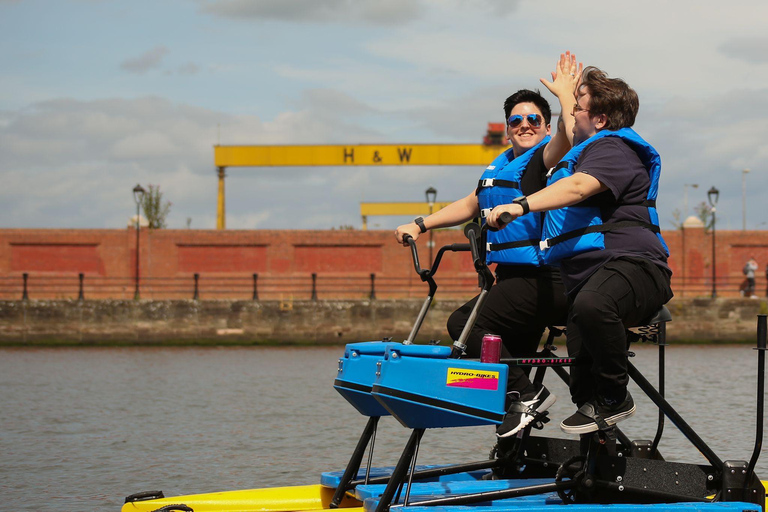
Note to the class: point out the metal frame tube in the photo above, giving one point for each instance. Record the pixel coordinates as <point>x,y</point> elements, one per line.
<point>762,334</point>
<point>674,417</point>
<point>398,475</point>
<point>353,466</point>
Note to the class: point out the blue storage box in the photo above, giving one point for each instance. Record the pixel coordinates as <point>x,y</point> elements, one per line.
<point>357,373</point>
<point>422,388</point>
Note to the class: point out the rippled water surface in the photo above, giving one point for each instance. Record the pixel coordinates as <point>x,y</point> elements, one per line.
<point>82,428</point>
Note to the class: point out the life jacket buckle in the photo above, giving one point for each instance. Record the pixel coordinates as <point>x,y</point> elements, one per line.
<point>485,212</point>
<point>544,244</point>
<point>487,182</point>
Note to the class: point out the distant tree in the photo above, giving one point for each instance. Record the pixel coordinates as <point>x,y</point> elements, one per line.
<point>704,212</point>
<point>676,222</point>
<point>154,209</point>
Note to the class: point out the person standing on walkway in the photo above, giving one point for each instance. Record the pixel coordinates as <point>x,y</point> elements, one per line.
<point>750,267</point>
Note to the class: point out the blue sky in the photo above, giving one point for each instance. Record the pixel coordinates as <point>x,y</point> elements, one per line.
<point>98,95</point>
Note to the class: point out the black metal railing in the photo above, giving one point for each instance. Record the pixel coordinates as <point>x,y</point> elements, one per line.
<point>312,286</point>
<point>200,286</point>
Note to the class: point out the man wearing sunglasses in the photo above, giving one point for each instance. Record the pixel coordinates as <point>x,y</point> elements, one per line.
<point>602,228</point>
<point>527,295</point>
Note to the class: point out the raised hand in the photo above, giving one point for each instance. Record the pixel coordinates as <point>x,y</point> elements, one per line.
<point>566,75</point>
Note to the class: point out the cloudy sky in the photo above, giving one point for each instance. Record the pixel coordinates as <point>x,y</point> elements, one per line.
<point>99,95</point>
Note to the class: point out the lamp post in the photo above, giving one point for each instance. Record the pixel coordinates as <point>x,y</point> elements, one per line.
<point>712,196</point>
<point>431,195</point>
<point>744,199</point>
<point>138,196</point>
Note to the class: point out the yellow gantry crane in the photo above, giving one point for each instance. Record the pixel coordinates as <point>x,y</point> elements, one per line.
<point>357,155</point>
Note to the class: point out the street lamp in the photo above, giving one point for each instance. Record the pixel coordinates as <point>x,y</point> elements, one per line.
<point>431,195</point>
<point>712,196</point>
<point>744,199</point>
<point>138,196</point>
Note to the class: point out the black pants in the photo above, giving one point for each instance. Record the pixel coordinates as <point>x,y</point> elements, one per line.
<point>750,290</point>
<point>518,307</point>
<point>623,293</point>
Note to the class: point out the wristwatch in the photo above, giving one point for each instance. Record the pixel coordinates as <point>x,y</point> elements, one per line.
<point>420,222</point>
<point>523,202</point>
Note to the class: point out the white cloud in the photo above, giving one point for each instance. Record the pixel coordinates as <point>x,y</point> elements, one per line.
<point>323,11</point>
<point>748,49</point>
<point>150,59</point>
<point>344,71</point>
<point>188,68</point>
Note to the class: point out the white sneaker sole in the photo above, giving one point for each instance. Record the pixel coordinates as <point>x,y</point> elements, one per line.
<point>527,418</point>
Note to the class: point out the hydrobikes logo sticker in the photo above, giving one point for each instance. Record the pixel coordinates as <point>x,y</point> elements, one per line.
<point>473,379</point>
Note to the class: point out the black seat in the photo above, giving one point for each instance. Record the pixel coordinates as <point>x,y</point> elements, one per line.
<point>662,315</point>
<point>652,330</point>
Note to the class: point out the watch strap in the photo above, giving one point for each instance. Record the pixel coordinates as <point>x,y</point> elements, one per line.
<point>420,222</point>
<point>523,202</point>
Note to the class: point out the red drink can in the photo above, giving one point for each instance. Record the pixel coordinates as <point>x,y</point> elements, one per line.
<point>490,352</point>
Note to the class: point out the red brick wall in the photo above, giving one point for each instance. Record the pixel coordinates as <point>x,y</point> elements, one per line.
<point>222,258</point>
<point>285,260</point>
<point>693,273</point>
<point>56,258</point>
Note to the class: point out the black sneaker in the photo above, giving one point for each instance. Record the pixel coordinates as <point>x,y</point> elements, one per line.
<point>595,415</point>
<point>524,409</point>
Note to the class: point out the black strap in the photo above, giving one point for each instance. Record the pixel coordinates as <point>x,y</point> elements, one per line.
<point>590,411</point>
<point>523,202</point>
<point>602,228</point>
<point>498,183</point>
<point>513,245</point>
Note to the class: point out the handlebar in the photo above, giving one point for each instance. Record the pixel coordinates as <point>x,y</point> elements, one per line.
<point>427,273</point>
<point>477,244</point>
<point>476,237</point>
<point>426,276</point>
<point>414,253</point>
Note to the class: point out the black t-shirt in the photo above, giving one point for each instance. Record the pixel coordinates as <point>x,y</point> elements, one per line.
<point>535,174</point>
<point>614,164</point>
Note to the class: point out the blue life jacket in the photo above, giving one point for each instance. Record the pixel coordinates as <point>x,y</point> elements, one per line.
<point>518,243</point>
<point>575,229</point>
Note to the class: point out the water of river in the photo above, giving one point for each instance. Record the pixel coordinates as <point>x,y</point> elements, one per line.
<point>82,428</point>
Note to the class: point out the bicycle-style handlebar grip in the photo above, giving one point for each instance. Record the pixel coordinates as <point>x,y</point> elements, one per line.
<point>505,218</point>
<point>472,232</point>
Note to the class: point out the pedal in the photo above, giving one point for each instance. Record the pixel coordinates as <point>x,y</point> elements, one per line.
<point>607,435</point>
<point>539,420</point>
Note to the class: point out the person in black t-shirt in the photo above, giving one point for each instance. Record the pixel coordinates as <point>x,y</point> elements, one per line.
<point>525,298</point>
<point>624,283</point>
